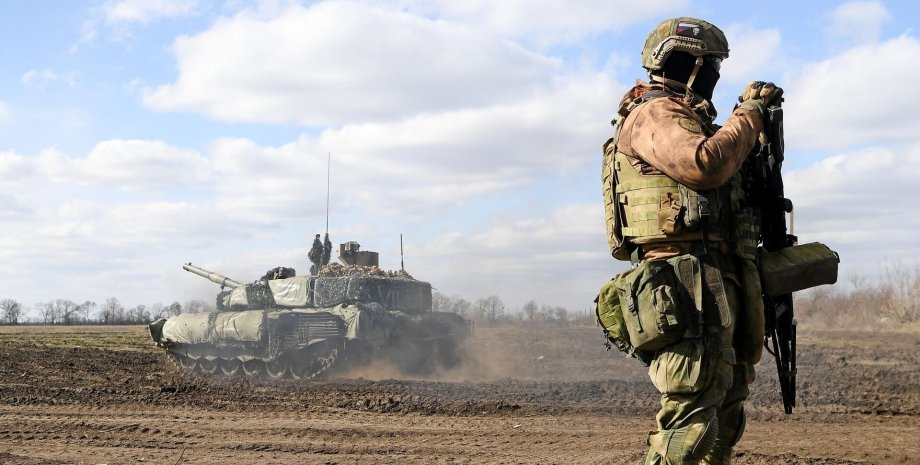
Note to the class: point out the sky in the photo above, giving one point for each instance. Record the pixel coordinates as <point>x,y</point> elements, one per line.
<point>138,135</point>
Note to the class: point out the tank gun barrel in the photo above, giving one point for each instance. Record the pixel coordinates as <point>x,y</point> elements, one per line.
<point>214,277</point>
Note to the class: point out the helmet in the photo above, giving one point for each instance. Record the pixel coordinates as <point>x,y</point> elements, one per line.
<point>694,36</point>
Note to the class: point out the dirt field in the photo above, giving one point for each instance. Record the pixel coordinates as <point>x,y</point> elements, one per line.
<point>528,395</point>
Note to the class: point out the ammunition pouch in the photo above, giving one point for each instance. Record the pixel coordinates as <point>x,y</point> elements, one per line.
<point>653,305</point>
<point>746,233</point>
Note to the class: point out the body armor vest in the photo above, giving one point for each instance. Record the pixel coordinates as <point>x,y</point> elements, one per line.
<point>644,209</point>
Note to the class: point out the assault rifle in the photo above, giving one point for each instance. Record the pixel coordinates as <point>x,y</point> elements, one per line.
<point>763,183</point>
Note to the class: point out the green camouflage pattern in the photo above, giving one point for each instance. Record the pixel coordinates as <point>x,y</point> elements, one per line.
<point>684,34</point>
<point>702,385</point>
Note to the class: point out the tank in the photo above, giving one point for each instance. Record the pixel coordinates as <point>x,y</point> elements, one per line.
<point>288,326</point>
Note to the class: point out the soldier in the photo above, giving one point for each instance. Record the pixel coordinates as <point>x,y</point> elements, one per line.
<point>327,249</point>
<point>673,193</point>
<point>316,255</point>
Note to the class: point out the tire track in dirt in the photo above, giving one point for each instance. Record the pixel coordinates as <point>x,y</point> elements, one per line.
<point>559,400</point>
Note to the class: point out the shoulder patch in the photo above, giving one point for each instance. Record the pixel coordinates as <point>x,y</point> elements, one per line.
<point>689,124</point>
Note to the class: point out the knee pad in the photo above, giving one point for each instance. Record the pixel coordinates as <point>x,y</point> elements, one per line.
<point>687,445</point>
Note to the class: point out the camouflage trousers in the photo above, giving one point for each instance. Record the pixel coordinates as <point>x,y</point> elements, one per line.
<point>703,387</point>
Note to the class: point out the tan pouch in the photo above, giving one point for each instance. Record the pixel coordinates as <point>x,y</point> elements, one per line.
<point>799,267</point>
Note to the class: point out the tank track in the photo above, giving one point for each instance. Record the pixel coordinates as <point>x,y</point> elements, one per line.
<point>304,364</point>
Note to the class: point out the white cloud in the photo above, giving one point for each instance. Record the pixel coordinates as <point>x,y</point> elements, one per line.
<point>127,164</point>
<point>430,162</point>
<point>339,62</point>
<point>14,207</point>
<point>41,78</point>
<point>14,168</point>
<point>143,11</point>
<point>750,51</point>
<point>858,21</point>
<point>120,17</point>
<point>842,101</point>
<point>546,22</point>
<point>559,258</point>
<point>141,163</point>
<point>860,203</point>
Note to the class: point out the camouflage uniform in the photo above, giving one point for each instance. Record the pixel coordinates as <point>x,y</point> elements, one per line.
<point>666,141</point>
<point>316,255</point>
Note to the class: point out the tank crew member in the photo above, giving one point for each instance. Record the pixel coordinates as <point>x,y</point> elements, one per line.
<point>316,255</point>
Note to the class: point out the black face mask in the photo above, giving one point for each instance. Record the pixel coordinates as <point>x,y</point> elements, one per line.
<point>679,66</point>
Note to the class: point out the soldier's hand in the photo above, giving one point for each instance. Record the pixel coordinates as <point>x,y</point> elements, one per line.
<point>766,92</point>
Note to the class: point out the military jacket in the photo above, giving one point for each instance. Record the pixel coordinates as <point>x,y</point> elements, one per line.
<point>665,159</point>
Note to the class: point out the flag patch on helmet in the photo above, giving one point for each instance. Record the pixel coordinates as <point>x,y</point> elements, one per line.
<point>688,29</point>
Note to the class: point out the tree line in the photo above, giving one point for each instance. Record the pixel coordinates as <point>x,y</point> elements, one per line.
<point>492,310</point>
<point>110,312</point>
<point>489,309</point>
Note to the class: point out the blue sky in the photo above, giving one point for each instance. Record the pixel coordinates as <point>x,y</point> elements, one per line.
<point>139,135</point>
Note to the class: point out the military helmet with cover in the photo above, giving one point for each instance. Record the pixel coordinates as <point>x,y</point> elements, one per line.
<point>685,34</point>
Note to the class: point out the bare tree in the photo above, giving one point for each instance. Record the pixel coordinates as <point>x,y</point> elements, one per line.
<point>111,312</point>
<point>530,310</point>
<point>138,314</point>
<point>461,306</point>
<point>10,311</point>
<point>86,309</point>
<point>902,287</point>
<point>491,308</point>
<point>173,309</point>
<point>440,302</point>
<point>60,311</point>
<point>157,311</point>
<point>197,306</point>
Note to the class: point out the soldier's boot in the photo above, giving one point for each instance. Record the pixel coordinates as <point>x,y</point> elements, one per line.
<point>682,446</point>
<point>718,456</point>
<point>732,428</point>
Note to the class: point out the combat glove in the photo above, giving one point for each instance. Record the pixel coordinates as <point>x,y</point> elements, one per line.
<point>758,94</point>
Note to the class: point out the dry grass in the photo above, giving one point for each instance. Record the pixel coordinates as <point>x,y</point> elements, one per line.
<point>92,337</point>
<point>892,303</point>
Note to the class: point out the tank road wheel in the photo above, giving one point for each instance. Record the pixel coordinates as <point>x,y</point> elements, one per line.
<point>231,367</point>
<point>208,367</point>
<point>186,364</point>
<point>276,368</point>
<point>309,363</point>
<point>253,367</point>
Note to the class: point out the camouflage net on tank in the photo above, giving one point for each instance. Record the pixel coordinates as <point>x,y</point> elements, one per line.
<point>339,270</point>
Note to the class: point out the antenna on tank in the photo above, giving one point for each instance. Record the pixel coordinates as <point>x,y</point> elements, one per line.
<point>402,264</point>
<point>328,178</point>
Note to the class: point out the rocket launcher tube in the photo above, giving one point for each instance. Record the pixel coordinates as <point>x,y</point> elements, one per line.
<point>214,277</point>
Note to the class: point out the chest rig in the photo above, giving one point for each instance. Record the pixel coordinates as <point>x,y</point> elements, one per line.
<point>654,208</point>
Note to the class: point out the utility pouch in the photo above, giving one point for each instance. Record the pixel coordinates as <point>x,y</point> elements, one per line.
<point>669,214</point>
<point>747,233</point>
<point>609,314</point>
<point>701,278</point>
<point>652,305</point>
<point>691,200</point>
<point>799,267</point>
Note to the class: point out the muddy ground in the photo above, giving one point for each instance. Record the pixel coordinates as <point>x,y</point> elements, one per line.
<point>527,395</point>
